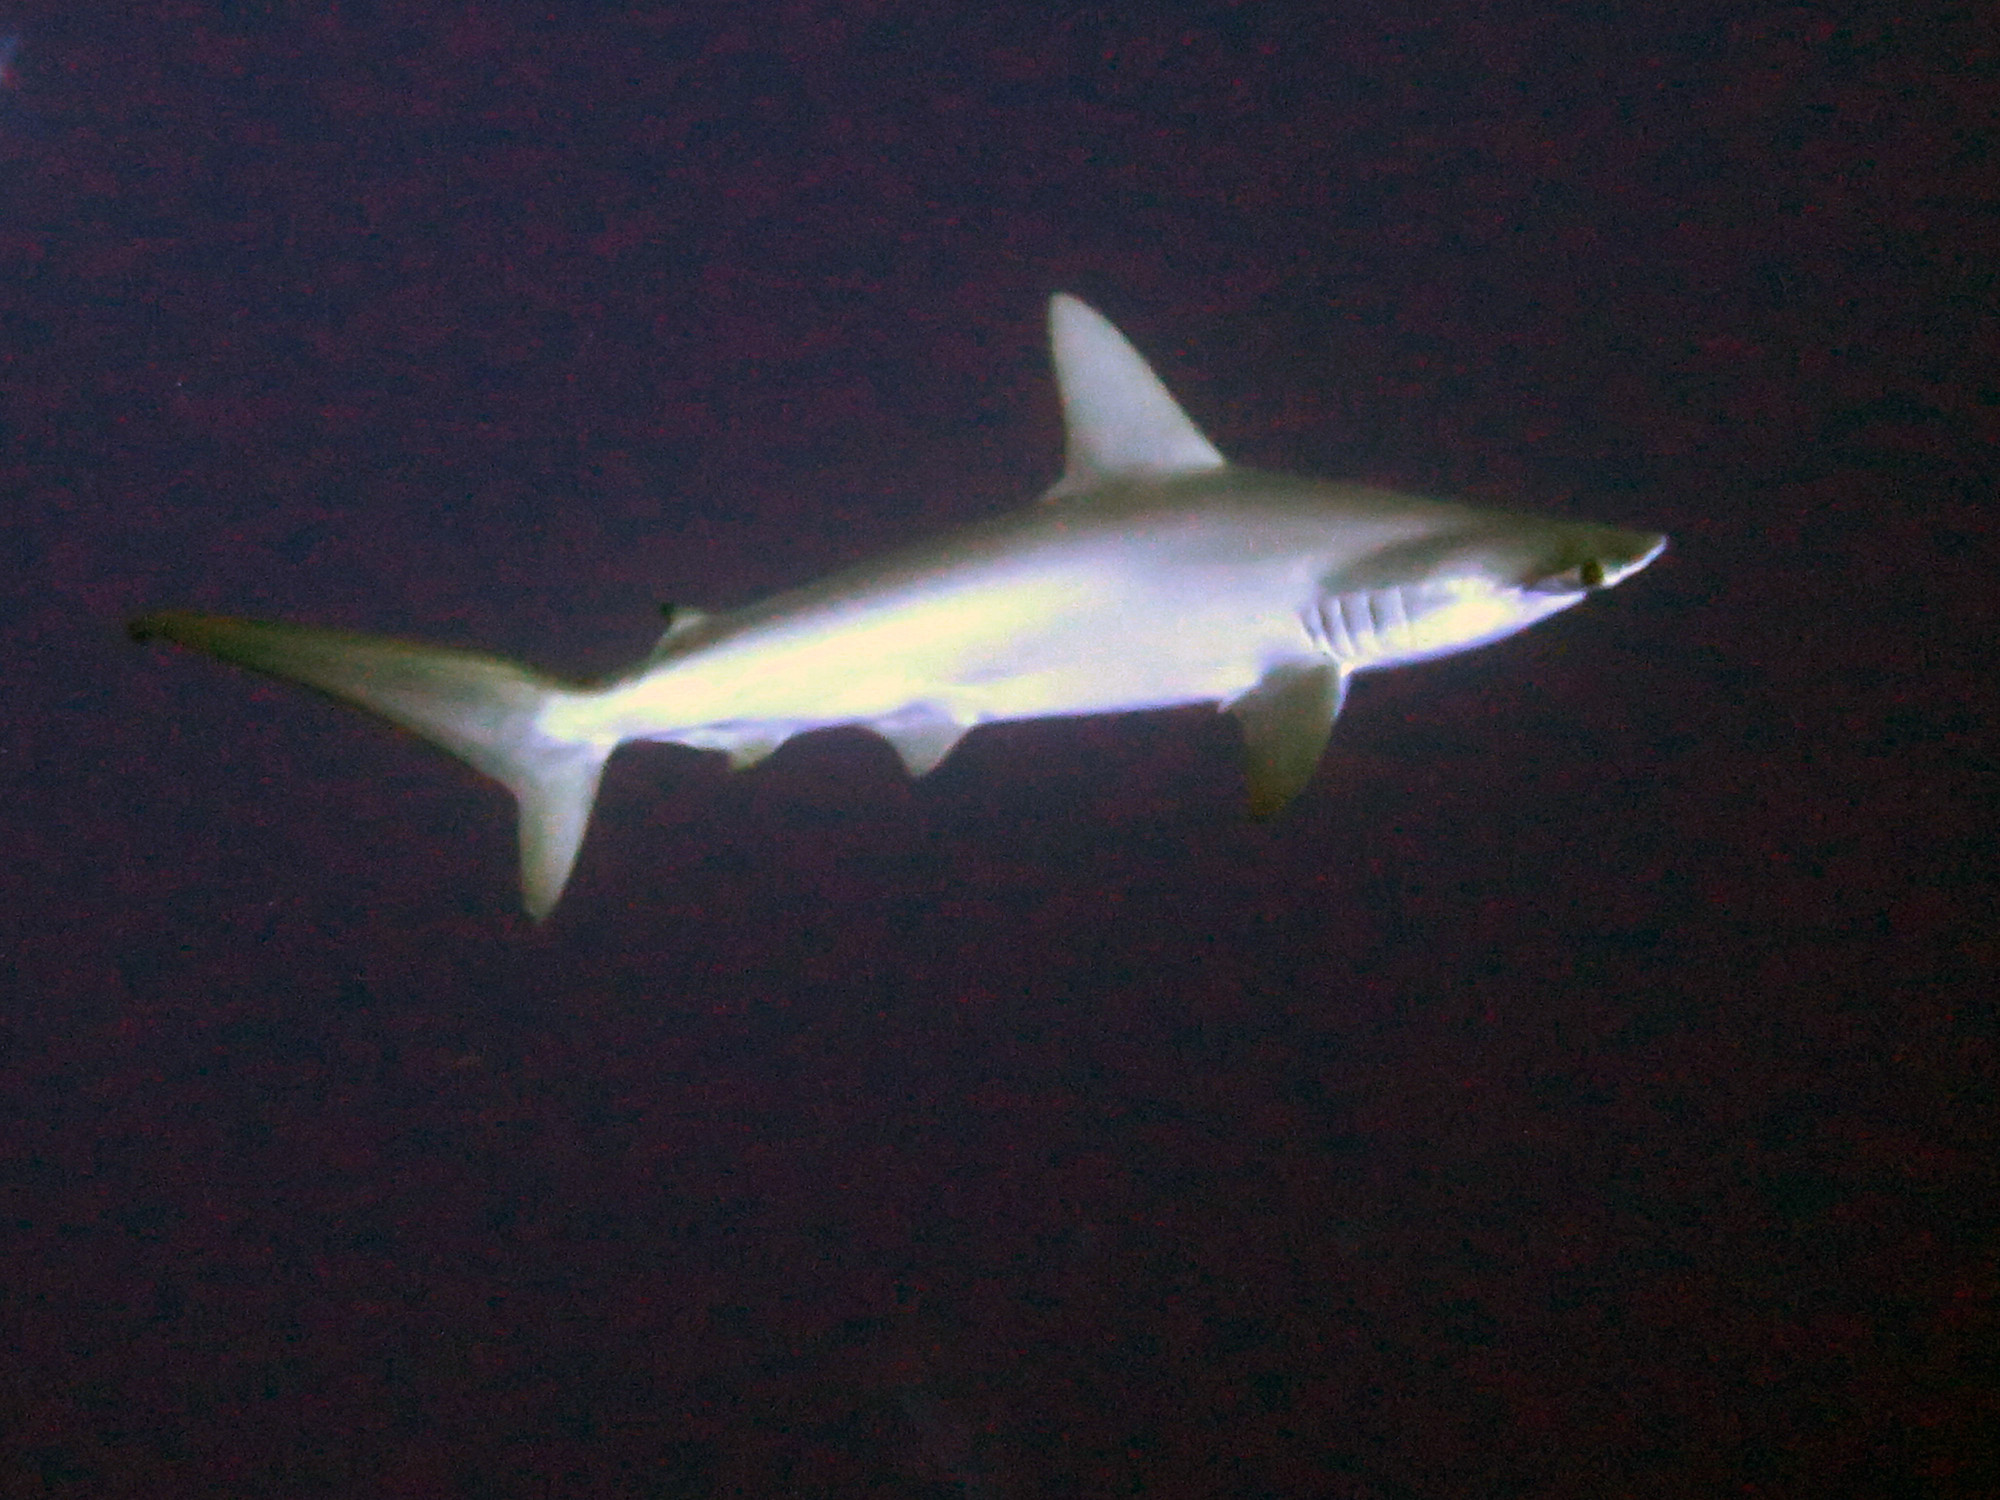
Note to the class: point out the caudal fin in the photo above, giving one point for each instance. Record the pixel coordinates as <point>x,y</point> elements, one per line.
<point>484,710</point>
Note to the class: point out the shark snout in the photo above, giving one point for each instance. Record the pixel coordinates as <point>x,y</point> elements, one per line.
<point>1650,545</point>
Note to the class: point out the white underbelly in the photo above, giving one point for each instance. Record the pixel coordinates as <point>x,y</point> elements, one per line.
<point>1022,655</point>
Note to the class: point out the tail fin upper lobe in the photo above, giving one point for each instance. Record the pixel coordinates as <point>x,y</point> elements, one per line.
<point>484,710</point>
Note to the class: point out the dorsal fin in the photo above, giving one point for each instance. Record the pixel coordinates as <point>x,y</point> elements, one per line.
<point>680,621</point>
<point>1119,418</point>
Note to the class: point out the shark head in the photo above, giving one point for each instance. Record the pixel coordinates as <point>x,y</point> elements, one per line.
<point>1576,558</point>
<point>1471,580</point>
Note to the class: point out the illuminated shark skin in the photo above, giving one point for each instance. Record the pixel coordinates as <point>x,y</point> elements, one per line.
<point>1154,573</point>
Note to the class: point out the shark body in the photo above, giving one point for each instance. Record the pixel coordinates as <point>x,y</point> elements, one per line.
<point>1154,573</point>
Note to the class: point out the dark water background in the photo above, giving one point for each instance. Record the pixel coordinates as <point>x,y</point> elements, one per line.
<point>1587,1090</point>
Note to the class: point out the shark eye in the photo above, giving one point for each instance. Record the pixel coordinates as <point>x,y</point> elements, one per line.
<point>1586,575</point>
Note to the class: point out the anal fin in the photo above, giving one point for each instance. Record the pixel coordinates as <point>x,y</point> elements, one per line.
<point>922,737</point>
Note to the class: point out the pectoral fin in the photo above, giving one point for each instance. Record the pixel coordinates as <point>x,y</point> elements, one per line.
<point>1286,719</point>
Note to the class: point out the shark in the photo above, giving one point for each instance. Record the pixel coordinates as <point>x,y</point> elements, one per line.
<point>1153,573</point>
